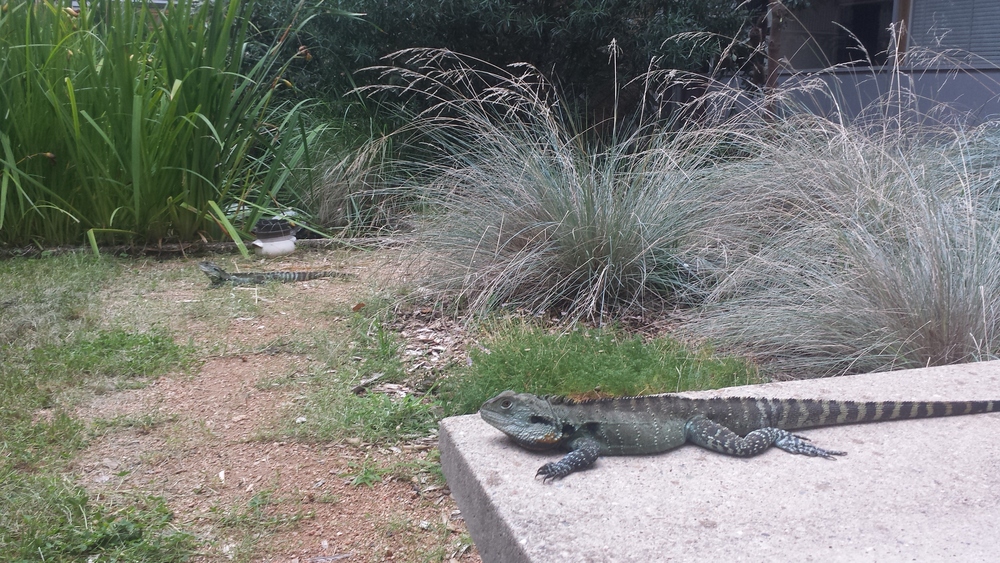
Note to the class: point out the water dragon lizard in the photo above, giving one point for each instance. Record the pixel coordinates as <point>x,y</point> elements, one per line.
<point>650,424</point>
<point>220,276</point>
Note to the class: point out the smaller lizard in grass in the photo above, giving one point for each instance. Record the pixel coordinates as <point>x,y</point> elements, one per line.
<point>741,426</point>
<point>220,276</point>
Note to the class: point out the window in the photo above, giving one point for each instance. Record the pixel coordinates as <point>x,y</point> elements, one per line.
<point>831,32</point>
<point>865,32</point>
<point>969,25</point>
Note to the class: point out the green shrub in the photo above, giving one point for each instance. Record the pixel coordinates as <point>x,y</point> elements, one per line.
<point>568,40</point>
<point>122,124</point>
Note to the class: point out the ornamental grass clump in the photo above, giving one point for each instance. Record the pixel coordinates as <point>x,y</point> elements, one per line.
<point>523,213</point>
<point>871,246</point>
<point>812,242</point>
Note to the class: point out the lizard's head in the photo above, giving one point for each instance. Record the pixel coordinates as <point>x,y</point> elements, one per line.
<point>214,273</point>
<point>527,419</point>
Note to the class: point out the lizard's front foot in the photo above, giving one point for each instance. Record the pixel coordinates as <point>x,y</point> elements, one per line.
<point>553,470</point>
<point>582,456</point>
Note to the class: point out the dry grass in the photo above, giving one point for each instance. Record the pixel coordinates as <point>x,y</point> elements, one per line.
<point>817,244</point>
<point>523,212</point>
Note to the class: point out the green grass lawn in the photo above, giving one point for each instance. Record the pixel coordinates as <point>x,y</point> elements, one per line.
<point>72,327</point>
<point>53,343</point>
<point>516,355</point>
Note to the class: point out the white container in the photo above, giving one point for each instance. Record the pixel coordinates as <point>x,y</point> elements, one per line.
<point>278,246</point>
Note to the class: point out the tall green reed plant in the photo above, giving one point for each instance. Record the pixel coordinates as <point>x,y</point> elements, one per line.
<point>123,123</point>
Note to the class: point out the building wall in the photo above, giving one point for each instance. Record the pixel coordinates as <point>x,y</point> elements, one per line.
<point>951,67</point>
<point>938,94</point>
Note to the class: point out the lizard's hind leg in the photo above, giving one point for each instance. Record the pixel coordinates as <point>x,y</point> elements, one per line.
<point>716,437</point>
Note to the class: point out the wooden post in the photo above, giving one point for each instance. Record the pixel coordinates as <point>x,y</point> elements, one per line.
<point>902,35</point>
<point>776,13</point>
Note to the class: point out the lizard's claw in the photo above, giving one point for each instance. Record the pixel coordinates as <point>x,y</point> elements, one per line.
<point>552,470</point>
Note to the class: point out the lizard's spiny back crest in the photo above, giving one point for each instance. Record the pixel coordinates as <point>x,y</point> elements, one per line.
<point>788,414</point>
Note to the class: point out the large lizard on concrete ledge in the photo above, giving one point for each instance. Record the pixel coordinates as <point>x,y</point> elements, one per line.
<point>657,423</point>
<point>220,276</point>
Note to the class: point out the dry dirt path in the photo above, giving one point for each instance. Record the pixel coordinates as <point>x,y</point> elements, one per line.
<point>210,443</point>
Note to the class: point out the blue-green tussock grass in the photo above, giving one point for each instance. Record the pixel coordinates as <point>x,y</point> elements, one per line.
<point>523,212</point>
<point>867,249</point>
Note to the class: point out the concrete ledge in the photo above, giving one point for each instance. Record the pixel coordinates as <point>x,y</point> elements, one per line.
<point>920,490</point>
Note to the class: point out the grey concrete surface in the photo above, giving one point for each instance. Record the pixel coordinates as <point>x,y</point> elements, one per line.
<point>916,490</point>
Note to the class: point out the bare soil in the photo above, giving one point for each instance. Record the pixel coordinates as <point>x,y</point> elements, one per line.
<point>209,441</point>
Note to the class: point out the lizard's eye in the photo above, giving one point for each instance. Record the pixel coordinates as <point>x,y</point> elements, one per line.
<point>506,404</point>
